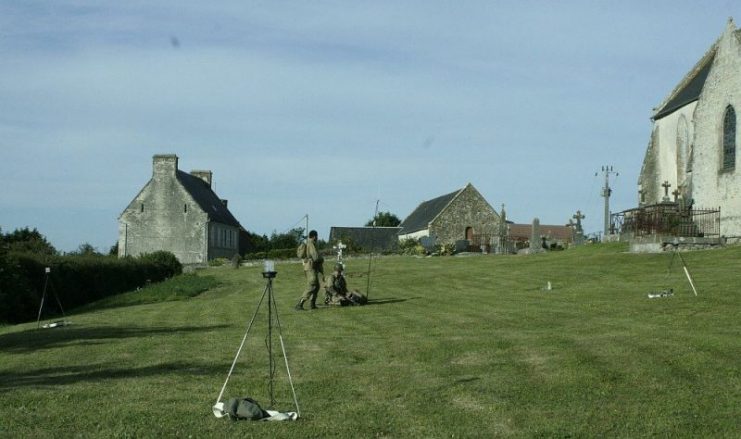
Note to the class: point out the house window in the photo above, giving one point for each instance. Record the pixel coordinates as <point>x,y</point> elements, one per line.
<point>729,139</point>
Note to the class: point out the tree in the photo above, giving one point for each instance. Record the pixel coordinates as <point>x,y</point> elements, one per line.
<point>384,219</point>
<point>27,240</point>
<point>289,239</point>
<point>85,249</point>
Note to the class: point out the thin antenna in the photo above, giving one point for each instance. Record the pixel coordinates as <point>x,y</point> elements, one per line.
<point>370,257</point>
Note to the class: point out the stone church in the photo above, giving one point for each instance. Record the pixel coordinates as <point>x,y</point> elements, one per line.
<point>692,152</point>
<point>460,215</point>
<point>180,213</point>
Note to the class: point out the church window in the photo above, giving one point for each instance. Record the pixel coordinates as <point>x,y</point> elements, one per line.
<point>141,208</point>
<point>185,208</point>
<point>729,139</point>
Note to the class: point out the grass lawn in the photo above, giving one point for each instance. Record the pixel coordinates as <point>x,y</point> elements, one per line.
<point>449,347</point>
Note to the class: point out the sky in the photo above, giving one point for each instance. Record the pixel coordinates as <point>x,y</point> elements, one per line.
<point>327,108</point>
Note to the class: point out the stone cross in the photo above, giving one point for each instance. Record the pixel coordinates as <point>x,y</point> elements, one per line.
<point>339,247</point>
<point>676,193</point>
<point>578,217</point>
<point>666,187</point>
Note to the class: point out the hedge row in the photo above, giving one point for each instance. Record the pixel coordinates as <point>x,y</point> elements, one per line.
<point>76,280</point>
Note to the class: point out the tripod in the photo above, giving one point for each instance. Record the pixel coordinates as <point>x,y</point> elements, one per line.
<point>272,316</point>
<point>43,298</point>
<point>676,253</point>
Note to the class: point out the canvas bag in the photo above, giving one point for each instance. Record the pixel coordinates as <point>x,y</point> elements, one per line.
<point>301,251</point>
<point>245,408</point>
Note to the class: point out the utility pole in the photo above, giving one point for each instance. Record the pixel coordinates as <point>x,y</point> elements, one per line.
<point>606,191</point>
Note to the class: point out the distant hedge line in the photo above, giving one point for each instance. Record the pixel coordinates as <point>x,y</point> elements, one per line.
<point>77,280</point>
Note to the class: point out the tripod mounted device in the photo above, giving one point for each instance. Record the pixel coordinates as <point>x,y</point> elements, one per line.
<point>47,282</point>
<point>670,291</point>
<point>268,274</point>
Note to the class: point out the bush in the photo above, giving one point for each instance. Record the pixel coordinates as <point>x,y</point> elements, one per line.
<point>412,247</point>
<point>284,253</point>
<point>76,280</point>
<point>218,262</point>
<point>165,261</point>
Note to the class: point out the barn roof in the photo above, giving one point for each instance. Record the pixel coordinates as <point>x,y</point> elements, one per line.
<point>421,217</point>
<point>367,238</point>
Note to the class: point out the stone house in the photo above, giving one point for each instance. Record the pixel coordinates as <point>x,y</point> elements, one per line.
<point>691,158</point>
<point>461,215</point>
<point>180,213</point>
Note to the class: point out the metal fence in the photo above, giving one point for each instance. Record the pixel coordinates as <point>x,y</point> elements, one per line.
<point>667,219</point>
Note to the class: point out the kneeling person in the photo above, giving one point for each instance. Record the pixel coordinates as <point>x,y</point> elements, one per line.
<point>337,292</point>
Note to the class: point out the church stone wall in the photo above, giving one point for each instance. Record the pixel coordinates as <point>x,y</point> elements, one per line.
<point>661,162</point>
<point>713,187</point>
<point>468,209</point>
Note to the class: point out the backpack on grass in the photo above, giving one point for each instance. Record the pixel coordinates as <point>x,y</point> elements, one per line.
<point>244,408</point>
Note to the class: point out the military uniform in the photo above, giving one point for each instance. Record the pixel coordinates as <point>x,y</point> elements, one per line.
<point>336,287</point>
<point>314,272</point>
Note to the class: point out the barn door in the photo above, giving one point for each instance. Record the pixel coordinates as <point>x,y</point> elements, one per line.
<point>469,234</point>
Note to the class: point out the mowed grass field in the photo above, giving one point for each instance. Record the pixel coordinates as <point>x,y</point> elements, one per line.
<point>448,347</point>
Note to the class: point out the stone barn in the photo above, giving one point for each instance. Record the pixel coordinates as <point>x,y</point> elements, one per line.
<point>178,212</point>
<point>461,215</point>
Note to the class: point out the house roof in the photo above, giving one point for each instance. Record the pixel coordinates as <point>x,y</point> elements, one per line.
<point>421,217</point>
<point>368,238</point>
<point>205,197</point>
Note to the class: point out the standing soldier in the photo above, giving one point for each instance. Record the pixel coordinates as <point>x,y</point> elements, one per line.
<point>313,269</point>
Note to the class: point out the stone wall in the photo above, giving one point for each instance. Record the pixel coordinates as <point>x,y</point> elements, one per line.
<point>712,186</point>
<point>468,209</point>
<point>163,216</point>
<point>666,158</point>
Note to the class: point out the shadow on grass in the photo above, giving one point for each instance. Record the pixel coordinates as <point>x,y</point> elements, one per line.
<point>66,375</point>
<point>387,300</point>
<point>35,339</point>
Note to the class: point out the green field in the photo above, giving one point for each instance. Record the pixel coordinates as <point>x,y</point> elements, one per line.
<point>449,347</point>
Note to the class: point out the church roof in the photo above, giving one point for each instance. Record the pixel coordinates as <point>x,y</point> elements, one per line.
<point>205,197</point>
<point>688,90</point>
<point>423,215</point>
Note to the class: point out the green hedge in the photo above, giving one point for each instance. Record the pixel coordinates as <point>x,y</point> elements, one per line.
<point>281,253</point>
<point>77,280</point>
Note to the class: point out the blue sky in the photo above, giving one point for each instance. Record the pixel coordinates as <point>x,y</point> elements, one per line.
<point>324,107</point>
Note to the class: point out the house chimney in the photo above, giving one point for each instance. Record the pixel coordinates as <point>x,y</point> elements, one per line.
<point>203,175</point>
<point>225,202</point>
<point>165,164</point>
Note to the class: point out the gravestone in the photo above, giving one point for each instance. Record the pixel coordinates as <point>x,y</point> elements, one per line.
<point>536,241</point>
